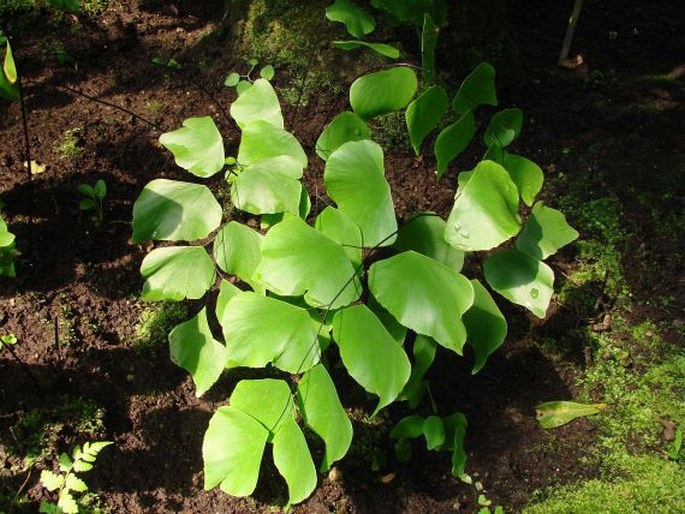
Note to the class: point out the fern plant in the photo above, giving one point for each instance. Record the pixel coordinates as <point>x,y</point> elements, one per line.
<point>290,293</point>
<point>66,482</point>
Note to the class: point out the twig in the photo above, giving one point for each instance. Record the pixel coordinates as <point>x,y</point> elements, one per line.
<point>570,31</point>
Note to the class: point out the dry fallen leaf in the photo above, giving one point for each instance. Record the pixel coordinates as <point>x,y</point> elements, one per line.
<point>36,169</point>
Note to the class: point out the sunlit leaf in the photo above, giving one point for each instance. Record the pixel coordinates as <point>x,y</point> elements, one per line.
<point>504,127</point>
<point>260,330</point>
<point>226,292</point>
<point>262,141</point>
<point>237,251</point>
<point>176,272</point>
<point>383,91</point>
<point>258,103</point>
<point>197,146</point>
<point>321,410</point>
<point>269,401</point>
<point>453,140</point>
<point>485,211</point>
<point>545,232</point>
<point>346,126</point>
<point>520,279</point>
<point>355,179</point>
<point>268,187</point>
<point>193,348</point>
<point>357,21</point>
<point>527,176</point>
<point>9,85</point>
<point>232,451</point>
<point>477,89</point>
<point>74,483</point>
<point>294,461</point>
<point>51,480</point>
<point>170,210</point>
<point>424,233</point>
<point>267,72</point>
<point>424,354</point>
<point>424,295</point>
<point>380,48</point>
<point>424,114</point>
<point>299,260</point>
<point>232,79</point>
<point>558,413</point>
<point>370,354</point>
<point>338,226</point>
<point>485,325</point>
<point>67,503</point>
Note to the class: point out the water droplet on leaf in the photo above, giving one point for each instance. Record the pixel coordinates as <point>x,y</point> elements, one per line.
<point>465,234</point>
<point>457,225</point>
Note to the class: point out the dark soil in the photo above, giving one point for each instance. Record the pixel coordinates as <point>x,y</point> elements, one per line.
<point>74,306</point>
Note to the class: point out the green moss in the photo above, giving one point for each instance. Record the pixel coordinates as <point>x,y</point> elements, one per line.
<point>70,148</point>
<point>155,323</point>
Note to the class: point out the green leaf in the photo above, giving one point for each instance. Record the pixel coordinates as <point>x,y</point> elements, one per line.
<point>545,232</point>
<point>74,483</point>
<point>357,21</point>
<point>558,413</point>
<point>226,292</point>
<point>93,449</point>
<point>86,189</point>
<point>257,103</point>
<point>336,225</point>
<point>9,86</point>
<point>100,189</point>
<point>346,126</point>
<point>194,349</point>
<point>424,355</point>
<point>322,412</point>
<point>429,39</point>
<point>424,114</point>
<point>485,211</point>
<point>383,91</point>
<point>434,431</point>
<point>51,481</point>
<point>294,461</point>
<point>370,354</point>
<point>170,210</point>
<point>197,146</point>
<point>299,260</point>
<point>485,325</point>
<point>380,48</point>
<point>504,127</point>
<point>242,87</point>
<point>410,427</point>
<point>48,508</point>
<point>527,176</point>
<point>81,466</point>
<point>267,72</point>
<point>65,462</point>
<point>232,79</point>
<point>453,140</point>
<point>261,330</point>
<point>413,10</point>
<point>268,187</point>
<point>355,179</point>
<point>86,204</point>
<point>520,279</point>
<point>232,451</point>
<point>477,89</point>
<point>177,272</point>
<point>67,503</point>
<point>262,141</point>
<point>424,233</point>
<point>269,401</point>
<point>424,295</point>
<point>237,251</point>
<point>455,431</point>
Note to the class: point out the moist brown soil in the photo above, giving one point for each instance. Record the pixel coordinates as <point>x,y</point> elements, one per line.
<point>74,305</point>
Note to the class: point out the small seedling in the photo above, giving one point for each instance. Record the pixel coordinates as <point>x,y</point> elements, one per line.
<point>94,198</point>
<point>66,482</point>
<point>7,339</point>
<point>243,82</point>
<point>170,63</point>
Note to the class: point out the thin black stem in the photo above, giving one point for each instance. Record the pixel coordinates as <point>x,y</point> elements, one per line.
<point>24,367</point>
<point>29,165</point>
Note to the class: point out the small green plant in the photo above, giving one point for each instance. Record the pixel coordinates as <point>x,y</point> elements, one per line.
<point>66,482</point>
<point>70,147</point>
<point>305,284</point>
<point>93,201</point>
<point>243,82</point>
<point>7,340</point>
<point>170,63</point>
